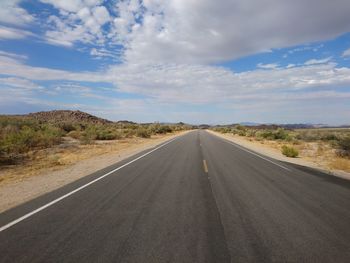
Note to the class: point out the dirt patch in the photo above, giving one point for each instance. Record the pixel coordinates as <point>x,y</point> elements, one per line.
<point>315,155</point>
<point>53,168</point>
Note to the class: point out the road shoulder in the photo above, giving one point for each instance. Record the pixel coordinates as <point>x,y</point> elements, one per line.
<point>275,154</point>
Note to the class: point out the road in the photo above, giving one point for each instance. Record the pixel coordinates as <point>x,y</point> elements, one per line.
<point>197,198</point>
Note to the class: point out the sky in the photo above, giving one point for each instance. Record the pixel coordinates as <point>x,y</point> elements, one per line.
<point>196,61</point>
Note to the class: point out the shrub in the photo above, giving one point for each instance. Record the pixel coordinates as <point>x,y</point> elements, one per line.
<point>143,133</point>
<point>128,133</point>
<point>240,127</point>
<point>289,151</point>
<point>330,137</point>
<point>67,126</point>
<point>222,129</point>
<point>281,134</point>
<point>18,136</point>
<point>240,132</point>
<point>74,134</point>
<point>89,135</point>
<point>251,133</point>
<point>309,135</point>
<point>164,129</point>
<point>344,146</point>
<point>107,135</point>
<point>265,134</point>
<point>159,129</point>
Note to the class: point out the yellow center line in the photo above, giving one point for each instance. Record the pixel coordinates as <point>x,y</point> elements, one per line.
<point>205,166</point>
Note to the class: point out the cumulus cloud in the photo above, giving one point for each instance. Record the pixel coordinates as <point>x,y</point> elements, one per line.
<point>66,5</point>
<point>191,31</point>
<point>211,31</point>
<point>11,13</point>
<point>101,15</point>
<point>176,83</point>
<point>168,48</point>
<point>77,21</point>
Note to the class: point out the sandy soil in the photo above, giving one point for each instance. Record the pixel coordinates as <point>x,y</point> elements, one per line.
<point>272,149</point>
<point>19,189</point>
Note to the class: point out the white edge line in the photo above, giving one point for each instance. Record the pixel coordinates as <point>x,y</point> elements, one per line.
<point>16,221</point>
<point>258,155</point>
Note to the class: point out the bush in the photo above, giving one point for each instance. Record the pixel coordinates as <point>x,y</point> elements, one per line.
<point>89,135</point>
<point>107,135</point>
<point>251,133</point>
<point>143,133</point>
<point>159,129</point>
<point>18,136</point>
<point>289,151</point>
<point>330,137</point>
<point>74,134</point>
<point>128,133</point>
<point>309,135</point>
<point>279,134</point>
<point>344,147</point>
<point>222,129</point>
<point>67,126</point>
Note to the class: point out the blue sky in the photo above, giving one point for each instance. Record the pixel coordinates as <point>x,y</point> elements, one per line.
<point>179,60</point>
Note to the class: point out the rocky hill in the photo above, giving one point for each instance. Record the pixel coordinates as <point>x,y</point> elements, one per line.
<point>66,116</point>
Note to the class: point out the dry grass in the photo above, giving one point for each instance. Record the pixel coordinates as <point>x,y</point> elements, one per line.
<point>320,152</point>
<point>328,148</point>
<point>340,164</point>
<point>55,158</point>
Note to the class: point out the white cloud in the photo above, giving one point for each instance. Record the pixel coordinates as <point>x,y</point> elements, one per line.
<point>164,85</point>
<point>318,61</point>
<point>306,48</point>
<point>101,15</point>
<point>103,53</point>
<point>19,83</point>
<point>66,5</point>
<point>174,83</point>
<point>78,21</point>
<point>13,33</point>
<point>346,53</point>
<point>14,67</point>
<point>13,55</point>
<point>11,13</point>
<point>209,84</point>
<point>191,31</point>
<point>53,38</point>
<point>210,31</point>
<point>267,66</point>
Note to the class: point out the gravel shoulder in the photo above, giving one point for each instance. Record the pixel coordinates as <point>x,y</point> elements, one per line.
<point>24,188</point>
<point>274,153</point>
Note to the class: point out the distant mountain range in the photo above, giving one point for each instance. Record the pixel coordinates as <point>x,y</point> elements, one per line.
<point>79,116</point>
<point>286,126</point>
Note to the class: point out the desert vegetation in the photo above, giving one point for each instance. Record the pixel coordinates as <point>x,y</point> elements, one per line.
<point>326,145</point>
<point>20,136</point>
<point>289,151</point>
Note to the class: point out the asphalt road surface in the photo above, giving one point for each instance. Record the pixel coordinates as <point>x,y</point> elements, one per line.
<point>197,198</point>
